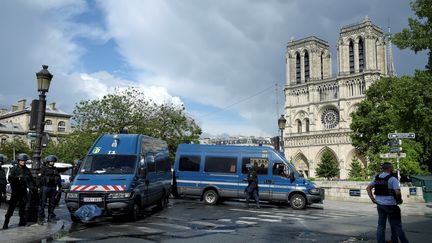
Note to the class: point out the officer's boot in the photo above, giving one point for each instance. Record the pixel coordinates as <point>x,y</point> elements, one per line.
<point>257,204</point>
<point>22,221</point>
<point>51,216</point>
<point>40,221</point>
<point>6,223</point>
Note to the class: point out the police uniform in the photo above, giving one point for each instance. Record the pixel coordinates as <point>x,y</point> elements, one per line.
<point>252,188</point>
<point>3,181</point>
<point>50,180</point>
<point>385,185</point>
<point>20,179</point>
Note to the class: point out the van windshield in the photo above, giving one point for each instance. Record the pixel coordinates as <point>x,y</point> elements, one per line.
<point>109,164</point>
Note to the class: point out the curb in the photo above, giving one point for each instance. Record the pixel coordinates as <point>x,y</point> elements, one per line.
<point>31,233</point>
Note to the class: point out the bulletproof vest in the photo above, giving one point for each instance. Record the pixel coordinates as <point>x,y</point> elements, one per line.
<point>381,186</point>
<point>50,177</point>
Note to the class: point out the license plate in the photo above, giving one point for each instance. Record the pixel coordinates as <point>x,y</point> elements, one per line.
<point>92,199</point>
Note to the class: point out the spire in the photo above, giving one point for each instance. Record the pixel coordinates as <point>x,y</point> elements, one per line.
<point>390,65</point>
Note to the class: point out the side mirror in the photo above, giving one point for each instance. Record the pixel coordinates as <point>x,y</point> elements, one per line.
<point>150,159</point>
<point>292,177</point>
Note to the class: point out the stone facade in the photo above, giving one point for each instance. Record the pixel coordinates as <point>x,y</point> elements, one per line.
<point>318,105</point>
<point>16,122</point>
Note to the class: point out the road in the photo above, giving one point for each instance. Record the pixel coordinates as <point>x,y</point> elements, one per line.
<point>192,221</point>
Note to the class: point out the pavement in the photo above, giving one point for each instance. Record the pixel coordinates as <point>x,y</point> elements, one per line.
<point>30,233</point>
<point>38,233</point>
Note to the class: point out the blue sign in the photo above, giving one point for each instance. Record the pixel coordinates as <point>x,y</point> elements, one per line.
<point>413,191</point>
<point>354,192</point>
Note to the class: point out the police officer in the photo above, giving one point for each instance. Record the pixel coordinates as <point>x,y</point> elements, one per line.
<point>387,197</point>
<point>252,188</point>
<point>50,181</point>
<point>21,180</point>
<point>3,181</point>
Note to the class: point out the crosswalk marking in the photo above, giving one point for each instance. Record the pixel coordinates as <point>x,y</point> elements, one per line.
<point>246,222</point>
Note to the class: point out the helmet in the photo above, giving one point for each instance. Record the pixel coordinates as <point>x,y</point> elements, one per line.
<point>23,156</point>
<point>51,158</point>
<point>3,158</point>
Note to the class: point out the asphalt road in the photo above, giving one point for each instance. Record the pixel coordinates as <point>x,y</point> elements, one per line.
<point>192,221</point>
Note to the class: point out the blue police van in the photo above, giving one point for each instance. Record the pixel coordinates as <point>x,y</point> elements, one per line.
<point>218,172</point>
<point>122,174</point>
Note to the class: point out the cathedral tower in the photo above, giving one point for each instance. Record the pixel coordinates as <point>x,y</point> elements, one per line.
<point>318,105</point>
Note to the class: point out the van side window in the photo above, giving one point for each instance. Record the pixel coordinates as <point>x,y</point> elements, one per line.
<point>189,163</point>
<point>260,165</point>
<point>163,164</point>
<point>220,164</point>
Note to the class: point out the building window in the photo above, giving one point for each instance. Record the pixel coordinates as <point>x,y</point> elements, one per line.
<point>3,142</point>
<point>298,71</point>
<point>299,126</point>
<point>361,55</point>
<point>307,125</point>
<point>306,66</point>
<point>61,126</point>
<point>48,125</point>
<point>351,56</point>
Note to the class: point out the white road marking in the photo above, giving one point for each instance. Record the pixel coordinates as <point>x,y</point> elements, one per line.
<point>207,224</point>
<point>245,222</point>
<point>224,220</point>
<point>271,220</point>
<point>249,218</point>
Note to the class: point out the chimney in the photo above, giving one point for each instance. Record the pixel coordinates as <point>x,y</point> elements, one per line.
<point>21,104</point>
<point>14,108</point>
<point>52,106</point>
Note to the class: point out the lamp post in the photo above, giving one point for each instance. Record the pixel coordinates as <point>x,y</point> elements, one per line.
<point>281,124</point>
<point>44,78</point>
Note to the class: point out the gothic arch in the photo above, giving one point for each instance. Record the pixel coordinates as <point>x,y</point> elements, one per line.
<point>301,163</point>
<point>320,153</point>
<point>355,153</point>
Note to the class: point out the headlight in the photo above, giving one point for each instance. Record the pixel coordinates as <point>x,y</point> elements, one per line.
<point>314,191</point>
<point>72,195</point>
<point>117,195</point>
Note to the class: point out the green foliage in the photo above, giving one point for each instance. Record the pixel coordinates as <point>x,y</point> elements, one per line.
<point>418,36</point>
<point>19,145</point>
<point>71,147</point>
<point>127,109</point>
<point>328,168</point>
<point>396,104</point>
<point>356,172</point>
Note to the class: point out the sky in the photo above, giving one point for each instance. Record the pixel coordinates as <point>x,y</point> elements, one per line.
<point>224,60</point>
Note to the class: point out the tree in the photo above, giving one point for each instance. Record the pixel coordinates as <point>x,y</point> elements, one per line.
<point>133,110</point>
<point>418,36</point>
<point>396,104</point>
<point>356,172</point>
<point>328,168</point>
<point>18,145</point>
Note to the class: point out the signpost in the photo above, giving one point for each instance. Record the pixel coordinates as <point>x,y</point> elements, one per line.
<point>395,147</point>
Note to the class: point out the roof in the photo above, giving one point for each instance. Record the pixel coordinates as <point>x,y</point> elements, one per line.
<point>11,127</point>
<point>227,148</point>
<point>307,39</point>
<point>27,109</point>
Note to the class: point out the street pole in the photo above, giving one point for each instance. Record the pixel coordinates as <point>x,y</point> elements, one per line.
<point>39,130</point>
<point>281,142</point>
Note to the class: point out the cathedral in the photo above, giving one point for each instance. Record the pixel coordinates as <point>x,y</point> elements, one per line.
<point>318,104</point>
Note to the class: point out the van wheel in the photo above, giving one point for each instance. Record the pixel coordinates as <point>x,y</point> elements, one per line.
<point>74,218</point>
<point>211,197</point>
<point>136,212</point>
<point>298,201</point>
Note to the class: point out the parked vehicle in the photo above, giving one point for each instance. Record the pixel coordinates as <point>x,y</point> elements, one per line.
<point>122,174</point>
<point>65,171</point>
<point>217,172</point>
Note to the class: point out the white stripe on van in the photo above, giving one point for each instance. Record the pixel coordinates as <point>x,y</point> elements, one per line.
<point>240,184</point>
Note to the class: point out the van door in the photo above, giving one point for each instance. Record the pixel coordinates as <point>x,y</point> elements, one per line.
<point>221,171</point>
<point>281,185</point>
<point>260,164</point>
<point>187,174</point>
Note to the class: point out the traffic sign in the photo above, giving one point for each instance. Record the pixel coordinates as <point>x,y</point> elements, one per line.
<point>401,135</point>
<point>392,155</point>
<point>395,149</point>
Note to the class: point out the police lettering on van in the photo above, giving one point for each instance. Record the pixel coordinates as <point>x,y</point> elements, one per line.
<point>122,174</point>
<point>217,172</point>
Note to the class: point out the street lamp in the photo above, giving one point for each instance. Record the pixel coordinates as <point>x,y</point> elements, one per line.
<point>44,78</point>
<point>281,124</point>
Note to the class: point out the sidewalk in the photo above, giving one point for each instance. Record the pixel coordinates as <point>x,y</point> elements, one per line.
<point>30,233</point>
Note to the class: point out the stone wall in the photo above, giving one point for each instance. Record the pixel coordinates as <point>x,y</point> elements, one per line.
<point>340,191</point>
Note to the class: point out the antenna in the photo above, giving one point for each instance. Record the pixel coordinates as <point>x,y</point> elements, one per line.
<point>390,65</point>
<point>277,101</point>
